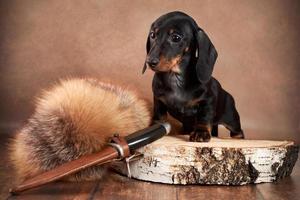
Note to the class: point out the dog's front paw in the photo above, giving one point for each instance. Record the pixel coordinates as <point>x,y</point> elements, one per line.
<point>200,136</point>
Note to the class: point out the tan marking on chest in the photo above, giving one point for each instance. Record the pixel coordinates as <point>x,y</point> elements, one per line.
<point>193,102</point>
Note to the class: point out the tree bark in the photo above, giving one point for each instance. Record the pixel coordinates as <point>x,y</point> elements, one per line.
<point>174,160</point>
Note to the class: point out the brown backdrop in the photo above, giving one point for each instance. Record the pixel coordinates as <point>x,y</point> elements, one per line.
<point>258,44</point>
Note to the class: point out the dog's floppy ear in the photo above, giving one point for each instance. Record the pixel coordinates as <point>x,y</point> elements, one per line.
<point>148,49</point>
<point>206,55</point>
<point>148,45</point>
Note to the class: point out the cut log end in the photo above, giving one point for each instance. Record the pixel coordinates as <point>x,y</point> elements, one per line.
<point>174,160</point>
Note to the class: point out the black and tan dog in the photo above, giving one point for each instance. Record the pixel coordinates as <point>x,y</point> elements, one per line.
<point>183,57</point>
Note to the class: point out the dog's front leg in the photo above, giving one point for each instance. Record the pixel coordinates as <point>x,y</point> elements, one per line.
<point>159,111</point>
<point>203,125</point>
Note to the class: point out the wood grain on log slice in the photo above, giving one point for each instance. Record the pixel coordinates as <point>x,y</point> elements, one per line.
<point>174,160</point>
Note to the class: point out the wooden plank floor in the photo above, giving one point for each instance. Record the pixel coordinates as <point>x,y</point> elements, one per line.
<point>114,187</point>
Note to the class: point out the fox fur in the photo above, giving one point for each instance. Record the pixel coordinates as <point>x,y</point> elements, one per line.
<point>73,118</point>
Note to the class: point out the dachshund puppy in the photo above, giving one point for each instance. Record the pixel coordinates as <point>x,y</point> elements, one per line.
<point>183,57</point>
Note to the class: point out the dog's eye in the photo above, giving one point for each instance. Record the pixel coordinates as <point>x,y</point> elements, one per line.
<point>176,38</point>
<point>152,35</point>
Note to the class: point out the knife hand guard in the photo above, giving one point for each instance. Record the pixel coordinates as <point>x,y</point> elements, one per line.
<point>121,145</point>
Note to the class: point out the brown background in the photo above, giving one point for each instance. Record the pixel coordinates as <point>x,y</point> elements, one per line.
<point>258,44</point>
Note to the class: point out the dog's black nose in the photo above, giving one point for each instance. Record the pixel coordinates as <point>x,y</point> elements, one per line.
<point>153,62</point>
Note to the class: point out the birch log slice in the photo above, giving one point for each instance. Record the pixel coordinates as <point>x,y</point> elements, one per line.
<point>174,160</point>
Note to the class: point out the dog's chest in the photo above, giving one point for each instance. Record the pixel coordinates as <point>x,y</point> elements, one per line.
<point>177,98</point>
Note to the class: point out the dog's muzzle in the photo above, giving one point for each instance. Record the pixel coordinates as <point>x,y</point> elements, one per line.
<point>152,63</point>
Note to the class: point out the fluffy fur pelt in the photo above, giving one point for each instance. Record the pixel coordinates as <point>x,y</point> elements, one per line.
<point>73,118</point>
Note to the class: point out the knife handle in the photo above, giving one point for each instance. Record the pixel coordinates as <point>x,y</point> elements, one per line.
<point>147,135</point>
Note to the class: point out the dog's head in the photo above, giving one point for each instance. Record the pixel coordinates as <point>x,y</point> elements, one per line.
<point>174,41</point>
